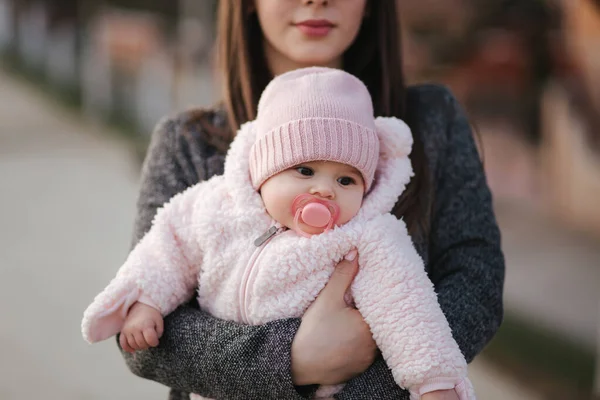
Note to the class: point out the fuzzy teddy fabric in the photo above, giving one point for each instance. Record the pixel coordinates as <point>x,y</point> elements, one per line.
<point>204,238</point>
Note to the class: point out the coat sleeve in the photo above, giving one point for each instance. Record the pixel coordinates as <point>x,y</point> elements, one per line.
<point>397,300</point>
<point>466,263</point>
<point>161,270</point>
<point>199,353</point>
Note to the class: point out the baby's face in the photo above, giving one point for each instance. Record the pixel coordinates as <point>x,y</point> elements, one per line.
<point>326,180</point>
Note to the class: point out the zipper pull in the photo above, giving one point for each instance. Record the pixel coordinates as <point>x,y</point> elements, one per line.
<point>266,236</point>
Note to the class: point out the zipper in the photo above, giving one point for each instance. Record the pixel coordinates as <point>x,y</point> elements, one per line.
<point>260,243</point>
<point>266,236</point>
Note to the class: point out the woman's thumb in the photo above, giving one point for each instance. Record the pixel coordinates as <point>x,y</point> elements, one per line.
<point>342,277</point>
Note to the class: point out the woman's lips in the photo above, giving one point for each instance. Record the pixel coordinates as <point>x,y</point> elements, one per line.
<point>315,27</point>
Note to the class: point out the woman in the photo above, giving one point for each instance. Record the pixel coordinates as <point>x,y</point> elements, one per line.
<point>447,208</point>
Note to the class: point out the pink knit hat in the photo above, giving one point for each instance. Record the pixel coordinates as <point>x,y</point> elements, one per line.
<point>314,114</point>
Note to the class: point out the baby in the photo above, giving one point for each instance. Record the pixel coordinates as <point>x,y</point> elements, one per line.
<point>312,178</point>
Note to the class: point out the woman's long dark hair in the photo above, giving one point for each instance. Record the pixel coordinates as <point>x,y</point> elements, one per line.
<point>374,57</point>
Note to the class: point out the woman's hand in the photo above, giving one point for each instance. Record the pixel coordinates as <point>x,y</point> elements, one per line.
<point>333,343</point>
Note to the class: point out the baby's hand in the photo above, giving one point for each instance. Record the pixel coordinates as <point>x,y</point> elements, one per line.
<point>441,395</point>
<point>142,328</point>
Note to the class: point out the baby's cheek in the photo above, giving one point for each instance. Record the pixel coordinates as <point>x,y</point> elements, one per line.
<point>357,204</point>
<point>347,215</point>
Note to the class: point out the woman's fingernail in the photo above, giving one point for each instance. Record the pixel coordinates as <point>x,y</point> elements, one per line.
<point>351,255</point>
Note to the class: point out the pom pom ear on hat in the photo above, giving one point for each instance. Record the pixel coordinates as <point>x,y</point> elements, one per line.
<point>395,137</point>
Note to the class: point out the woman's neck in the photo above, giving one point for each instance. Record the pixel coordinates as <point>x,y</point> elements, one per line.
<point>279,64</point>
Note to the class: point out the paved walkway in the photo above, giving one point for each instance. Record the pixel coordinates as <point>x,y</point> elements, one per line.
<point>66,212</point>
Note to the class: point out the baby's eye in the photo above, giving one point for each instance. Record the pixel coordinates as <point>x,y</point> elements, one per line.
<point>346,180</point>
<point>305,171</point>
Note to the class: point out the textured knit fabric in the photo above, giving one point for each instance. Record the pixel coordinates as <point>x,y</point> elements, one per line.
<point>204,237</point>
<point>225,360</point>
<point>329,117</point>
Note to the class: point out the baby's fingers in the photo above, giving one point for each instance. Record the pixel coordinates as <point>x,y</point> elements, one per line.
<point>160,327</point>
<point>131,341</point>
<point>139,339</point>
<point>151,336</point>
<point>124,344</point>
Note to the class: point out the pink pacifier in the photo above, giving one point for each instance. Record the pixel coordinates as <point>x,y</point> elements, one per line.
<point>314,212</point>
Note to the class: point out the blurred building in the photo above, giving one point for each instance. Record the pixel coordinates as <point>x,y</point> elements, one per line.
<point>571,104</point>
<point>127,61</point>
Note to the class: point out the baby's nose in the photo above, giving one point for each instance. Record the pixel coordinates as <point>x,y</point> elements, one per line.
<point>323,190</point>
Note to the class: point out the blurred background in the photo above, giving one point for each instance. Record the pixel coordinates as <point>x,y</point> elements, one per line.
<point>83,82</point>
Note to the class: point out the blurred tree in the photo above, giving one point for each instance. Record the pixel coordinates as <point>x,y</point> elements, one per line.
<point>169,9</point>
<point>535,22</point>
<point>496,53</point>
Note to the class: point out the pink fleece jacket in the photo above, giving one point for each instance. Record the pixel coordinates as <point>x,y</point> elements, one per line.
<point>204,239</point>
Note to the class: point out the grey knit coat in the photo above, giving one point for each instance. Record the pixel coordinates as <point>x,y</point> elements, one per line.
<point>225,360</point>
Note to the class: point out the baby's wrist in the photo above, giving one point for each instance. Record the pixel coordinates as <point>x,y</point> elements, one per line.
<point>147,300</point>
<point>444,394</point>
<point>439,388</point>
<point>142,308</point>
